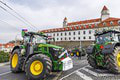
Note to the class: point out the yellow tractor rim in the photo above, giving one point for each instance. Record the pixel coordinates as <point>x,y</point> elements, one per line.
<point>77,53</point>
<point>118,59</point>
<point>14,60</point>
<point>36,67</point>
<point>71,54</point>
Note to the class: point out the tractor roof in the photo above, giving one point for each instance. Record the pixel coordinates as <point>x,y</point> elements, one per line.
<point>107,31</point>
<point>34,33</point>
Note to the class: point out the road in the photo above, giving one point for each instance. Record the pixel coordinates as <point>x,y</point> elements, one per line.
<point>81,71</point>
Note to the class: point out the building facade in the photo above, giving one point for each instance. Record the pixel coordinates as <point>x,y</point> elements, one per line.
<point>74,34</point>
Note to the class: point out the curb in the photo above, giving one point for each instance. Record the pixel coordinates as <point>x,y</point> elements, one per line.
<point>5,63</point>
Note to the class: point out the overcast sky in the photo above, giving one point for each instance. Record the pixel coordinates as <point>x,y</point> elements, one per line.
<point>46,14</point>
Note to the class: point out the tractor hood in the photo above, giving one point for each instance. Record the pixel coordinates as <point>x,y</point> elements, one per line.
<point>50,45</point>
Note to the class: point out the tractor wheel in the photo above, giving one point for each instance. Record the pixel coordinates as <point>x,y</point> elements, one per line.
<point>16,61</point>
<point>92,61</point>
<point>71,54</point>
<point>78,54</point>
<point>113,61</point>
<point>38,67</point>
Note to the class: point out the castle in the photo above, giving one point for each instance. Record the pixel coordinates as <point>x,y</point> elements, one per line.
<point>82,32</point>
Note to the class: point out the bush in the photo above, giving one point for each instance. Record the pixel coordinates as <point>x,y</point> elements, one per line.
<point>4,57</point>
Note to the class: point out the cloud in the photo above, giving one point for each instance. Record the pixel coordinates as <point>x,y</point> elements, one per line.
<point>45,14</point>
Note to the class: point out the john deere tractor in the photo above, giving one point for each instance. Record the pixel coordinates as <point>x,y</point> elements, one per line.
<point>105,53</point>
<point>38,58</point>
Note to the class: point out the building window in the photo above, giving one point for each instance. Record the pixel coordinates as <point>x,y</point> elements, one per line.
<point>57,34</point>
<point>89,37</point>
<point>69,33</point>
<point>84,32</point>
<point>57,38</point>
<point>54,34</point>
<point>73,33</point>
<point>61,39</point>
<point>84,37</point>
<point>61,34</point>
<point>119,22</point>
<point>111,22</point>
<point>65,38</point>
<point>104,24</point>
<point>79,38</point>
<point>69,38</point>
<point>89,31</point>
<point>74,38</point>
<point>65,34</point>
<point>79,33</point>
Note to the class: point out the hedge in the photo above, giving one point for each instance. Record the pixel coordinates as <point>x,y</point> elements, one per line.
<point>4,57</point>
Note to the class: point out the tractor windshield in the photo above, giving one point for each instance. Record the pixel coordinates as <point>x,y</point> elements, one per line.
<point>108,37</point>
<point>101,39</point>
<point>39,39</point>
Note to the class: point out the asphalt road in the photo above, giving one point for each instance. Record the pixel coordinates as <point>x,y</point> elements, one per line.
<point>81,71</point>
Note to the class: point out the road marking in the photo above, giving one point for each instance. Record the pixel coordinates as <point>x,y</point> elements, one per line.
<point>5,73</point>
<point>72,73</point>
<point>85,77</point>
<point>96,73</point>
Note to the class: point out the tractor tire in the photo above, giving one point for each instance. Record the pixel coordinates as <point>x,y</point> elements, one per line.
<point>92,61</point>
<point>113,61</point>
<point>38,67</point>
<point>16,61</point>
<point>72,54</point>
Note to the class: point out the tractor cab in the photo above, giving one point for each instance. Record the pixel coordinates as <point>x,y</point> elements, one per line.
<point>107,36</point>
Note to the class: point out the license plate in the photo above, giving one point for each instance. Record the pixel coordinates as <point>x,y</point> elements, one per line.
<point>67,64</point>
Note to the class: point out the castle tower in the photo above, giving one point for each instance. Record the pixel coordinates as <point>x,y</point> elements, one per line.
<point>105,13</point>
<point>65,22</point>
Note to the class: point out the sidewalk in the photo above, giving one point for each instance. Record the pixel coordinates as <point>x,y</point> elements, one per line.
<point>5,63</point>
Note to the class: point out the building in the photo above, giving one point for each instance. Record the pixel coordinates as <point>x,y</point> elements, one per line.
<point>7,47</point>
<point>74,34</point>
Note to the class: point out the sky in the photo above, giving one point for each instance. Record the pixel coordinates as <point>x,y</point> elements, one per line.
<point>46,14</point>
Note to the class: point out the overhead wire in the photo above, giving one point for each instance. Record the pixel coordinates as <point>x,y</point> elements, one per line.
<point>30,24</point>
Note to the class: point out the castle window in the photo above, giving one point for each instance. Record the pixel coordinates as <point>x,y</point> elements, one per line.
<point>69,38</point>
<point>69,33</point>
<point>89,25</point>
<point>111,22</point>
<point>89,31</point>
<point>65,34</point>
<point>57,38</point>
<point>73,33</point>
<point>54,34</point>
<point>61,34</point>
<point>74,38</point>
<point>119,22</point>
<point>79,33</point>
<point>89,37</point>
<point>84,37</point>
<point>104,24</point>
<point>79,38</point>
<point>57,34</point>
<point>65,38</point>
<point>84,32</point>
<point>95,24</point>
<point>61,39</point>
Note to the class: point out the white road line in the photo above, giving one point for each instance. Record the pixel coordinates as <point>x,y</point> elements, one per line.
<point>5,73</point>
<point>96,73</point>
<point>85,77</point>
<point>72,73</point>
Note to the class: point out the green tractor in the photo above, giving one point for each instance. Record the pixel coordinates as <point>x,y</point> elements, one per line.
<point>38,58</point>
<point>105,53</point>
